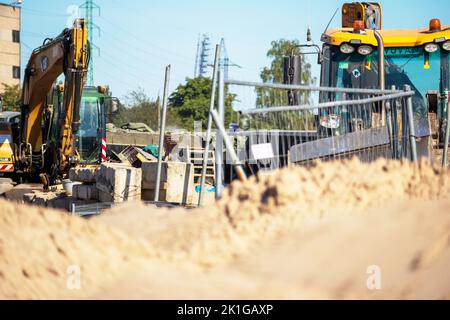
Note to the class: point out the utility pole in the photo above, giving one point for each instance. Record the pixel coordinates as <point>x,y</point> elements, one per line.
<point>89,6</point>
<point>202,58</point>
<point>225,62</point>
<point>197,57</point>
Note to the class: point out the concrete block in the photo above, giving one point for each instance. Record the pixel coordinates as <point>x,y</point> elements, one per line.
<point>85,175</point>
<point>51,199</point>
<point>177,182</point>
<point>85,192</point>
<point>118,182</point>
<point>29,197</point>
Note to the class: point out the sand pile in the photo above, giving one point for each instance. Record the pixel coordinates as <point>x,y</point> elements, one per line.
<point>289,227</point>
<point>406,244</point>
<point>40,248</point>
<point>270,204</point>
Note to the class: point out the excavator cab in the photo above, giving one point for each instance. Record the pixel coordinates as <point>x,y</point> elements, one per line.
<point>96,106</point>
<point>90,142</point>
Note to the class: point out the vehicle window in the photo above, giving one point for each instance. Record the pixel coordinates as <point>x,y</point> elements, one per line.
<point>404,66</point>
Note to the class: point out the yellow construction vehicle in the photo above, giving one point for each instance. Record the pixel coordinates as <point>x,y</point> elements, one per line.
<point>418,58</point>
<point>8,123</point>
<point>33,158</point>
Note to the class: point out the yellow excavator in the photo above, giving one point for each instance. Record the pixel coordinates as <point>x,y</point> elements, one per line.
<point>32,158</point>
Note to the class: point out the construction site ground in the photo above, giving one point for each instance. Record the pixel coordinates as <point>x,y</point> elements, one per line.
<point>294,234</point>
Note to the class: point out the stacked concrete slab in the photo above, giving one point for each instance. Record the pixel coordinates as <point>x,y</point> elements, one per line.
<point>118,182</point>
<point>87,190</point>
<point>111,182</point>
<point>177,182</point>
<point>84,175</point>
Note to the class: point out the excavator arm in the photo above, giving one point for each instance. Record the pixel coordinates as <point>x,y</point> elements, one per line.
<point>67,54</point>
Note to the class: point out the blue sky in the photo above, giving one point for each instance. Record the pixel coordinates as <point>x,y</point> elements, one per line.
<point>138,38</point>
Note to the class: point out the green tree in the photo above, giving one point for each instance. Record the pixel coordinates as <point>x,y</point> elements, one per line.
<point>277,97</point>
<point>138,107</point>
<point>190,103</point>
<point>274,73</point>
<point>11,97</point>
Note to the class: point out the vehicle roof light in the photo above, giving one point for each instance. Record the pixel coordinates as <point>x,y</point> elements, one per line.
<point>440,40</point>
<point>358,26</point>
<point>446,45</point>
<point>365,50</point>
<point>431,47</point>
<point>435,25</point>
<point>346,48</point>
<point>101,89</point>
<point>355,41</point>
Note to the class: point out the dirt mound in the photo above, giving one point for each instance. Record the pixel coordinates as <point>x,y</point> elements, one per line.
<point>290,227</point>
<point>270,204</point>
<point>398,251</point>
<point>40,249</point>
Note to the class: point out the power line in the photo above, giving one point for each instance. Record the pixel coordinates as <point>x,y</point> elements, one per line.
<point>35,34</point>
<point>43,13</point>
<point>139,39</point>
<point>124,46</point>
<point>27,46</point>
<point>125,69</point>
<point>127,66</point>
<point>112,76</point>
<point>120,28</point>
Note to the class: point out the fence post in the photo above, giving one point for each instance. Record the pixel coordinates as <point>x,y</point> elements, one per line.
<point>162,130</point>
<point>229,146</point>
<point>412,130</point>
<point>208,130</point>
<point>389,107</point>
<point>219,137</point>
<point>394,120</point>
<point>447,133</point>
<point>404,144</point>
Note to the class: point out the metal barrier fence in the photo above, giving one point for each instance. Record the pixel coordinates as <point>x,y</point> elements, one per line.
<point>365,123</point>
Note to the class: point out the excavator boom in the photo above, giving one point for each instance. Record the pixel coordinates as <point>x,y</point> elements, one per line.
<point>66,54</point>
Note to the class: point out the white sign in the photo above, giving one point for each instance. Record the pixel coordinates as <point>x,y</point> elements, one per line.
<point>262,151</point>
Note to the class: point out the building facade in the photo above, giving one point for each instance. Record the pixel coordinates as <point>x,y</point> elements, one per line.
<point>9,45</point>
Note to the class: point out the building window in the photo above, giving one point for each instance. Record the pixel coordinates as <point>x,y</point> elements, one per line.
<point>16,36</point>
<point>16,72</point>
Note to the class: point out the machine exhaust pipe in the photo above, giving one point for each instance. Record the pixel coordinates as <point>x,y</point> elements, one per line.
<point>381,71</point>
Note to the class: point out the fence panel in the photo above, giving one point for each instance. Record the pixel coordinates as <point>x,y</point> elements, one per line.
<point>365,123</point>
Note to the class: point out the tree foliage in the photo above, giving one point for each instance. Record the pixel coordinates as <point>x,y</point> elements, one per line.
<point>279,97</point>
<point>137,107</point>
<point>274,74</point>
<point>190,103</point>
<point>11,97</point>
<point>278,50</point>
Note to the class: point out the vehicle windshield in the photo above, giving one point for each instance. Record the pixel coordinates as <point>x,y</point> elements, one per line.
<point>88,136</point>
<point>404,66</point>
